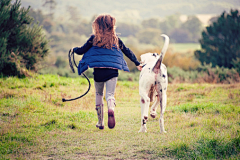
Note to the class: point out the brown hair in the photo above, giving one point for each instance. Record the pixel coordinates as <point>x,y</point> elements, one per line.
<point>103,28</point>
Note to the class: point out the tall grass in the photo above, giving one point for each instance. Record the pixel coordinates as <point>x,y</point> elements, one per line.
<point>202,122</point>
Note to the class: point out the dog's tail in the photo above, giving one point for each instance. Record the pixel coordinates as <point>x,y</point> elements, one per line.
<point>165,46</point>
<point>157,66</point>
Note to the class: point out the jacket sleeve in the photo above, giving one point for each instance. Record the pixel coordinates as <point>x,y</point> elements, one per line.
<point>128,52</point>
<point>85,47</point>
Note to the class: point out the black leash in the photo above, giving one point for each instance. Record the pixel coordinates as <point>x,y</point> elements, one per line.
<point>71,66</point>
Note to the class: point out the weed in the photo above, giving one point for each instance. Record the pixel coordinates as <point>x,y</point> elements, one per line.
<point>72,126</point>
<point>50,122</point>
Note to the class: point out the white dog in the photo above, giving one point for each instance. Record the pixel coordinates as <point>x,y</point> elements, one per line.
<point>153,82</point>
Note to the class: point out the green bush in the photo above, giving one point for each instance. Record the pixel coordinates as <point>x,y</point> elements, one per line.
<point>236,64</point>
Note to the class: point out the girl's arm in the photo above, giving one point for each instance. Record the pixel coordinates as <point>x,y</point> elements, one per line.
<point>128,53</point>
<point>85,47</point>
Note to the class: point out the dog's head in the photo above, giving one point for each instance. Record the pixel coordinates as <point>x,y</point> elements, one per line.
<point>149,58</point>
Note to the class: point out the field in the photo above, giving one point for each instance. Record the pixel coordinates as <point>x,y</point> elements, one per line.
<point>202,122</point>
<point>184,47</point>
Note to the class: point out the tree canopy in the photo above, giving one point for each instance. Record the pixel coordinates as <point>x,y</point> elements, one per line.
<point>22,46</point>
<point>220,41</point>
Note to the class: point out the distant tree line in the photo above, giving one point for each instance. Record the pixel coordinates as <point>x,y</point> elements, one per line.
<point>219,41</point>
<point>146,32</point>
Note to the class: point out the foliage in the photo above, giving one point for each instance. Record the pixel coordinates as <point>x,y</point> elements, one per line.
<point>151,23</point>
<point>125,29</point>
<point>51,4</point>
<point>194,26</point>
<point>236,64</point>
<point>142,9</point>
<point>180,35</point>
<point>140,37</point>
<point>22,46</point>
<point>37,15</point>
<point>60,62</point>
<point>83,28</point>
<point>170,23</point>
<point>181,60</point>
<point>178,31</point>
<point>149,36</point>
<point>221,41</point>
<point>203,74</point>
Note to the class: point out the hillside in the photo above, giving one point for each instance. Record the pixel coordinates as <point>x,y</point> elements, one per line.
<point>137,11</point>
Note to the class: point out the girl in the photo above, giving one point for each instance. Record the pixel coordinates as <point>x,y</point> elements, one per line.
<point>103,51</point>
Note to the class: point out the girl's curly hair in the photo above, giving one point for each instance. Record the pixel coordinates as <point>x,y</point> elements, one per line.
<point>104,30</point>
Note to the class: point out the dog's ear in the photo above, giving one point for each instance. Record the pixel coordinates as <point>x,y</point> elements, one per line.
<point>156,68</point>
<point>143,58</point>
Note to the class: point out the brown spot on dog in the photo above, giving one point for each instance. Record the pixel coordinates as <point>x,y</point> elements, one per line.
<point>142,100</point>
<point>153,115</point>
<point>151,91</point>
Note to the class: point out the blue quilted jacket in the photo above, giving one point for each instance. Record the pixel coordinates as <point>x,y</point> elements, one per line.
<point>99,57</point>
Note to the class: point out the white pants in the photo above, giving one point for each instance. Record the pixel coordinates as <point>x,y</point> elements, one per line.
<point>110,90</point>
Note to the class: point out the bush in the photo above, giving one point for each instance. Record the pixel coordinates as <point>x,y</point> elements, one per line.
<point>236,64</point>
<point>203,74</point>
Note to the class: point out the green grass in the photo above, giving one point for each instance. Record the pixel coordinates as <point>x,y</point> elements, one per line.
<point>202,122</point>
<point>184,47</point>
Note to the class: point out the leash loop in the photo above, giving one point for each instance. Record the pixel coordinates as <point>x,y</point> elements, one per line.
<point>70,53</point>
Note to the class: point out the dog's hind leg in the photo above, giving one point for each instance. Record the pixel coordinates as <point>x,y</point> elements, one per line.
<point>163,103</point>
<point>153,111</point>
<point>161,90</point>
<point>144,103</point>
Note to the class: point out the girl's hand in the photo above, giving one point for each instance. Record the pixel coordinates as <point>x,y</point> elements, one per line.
<point>71,50</point>
<point>139,68</point>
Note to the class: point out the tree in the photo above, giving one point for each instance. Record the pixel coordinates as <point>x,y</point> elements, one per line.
<point>126,29</point>
<point>74,13</point>
<point>22,46</point>
<point>151,23</point>
<point>194,26</point>
<point>37,15</point>
<point>220,41</point>
<point>170,23</point>
<point>180,35</point>
<point>149,36</point>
